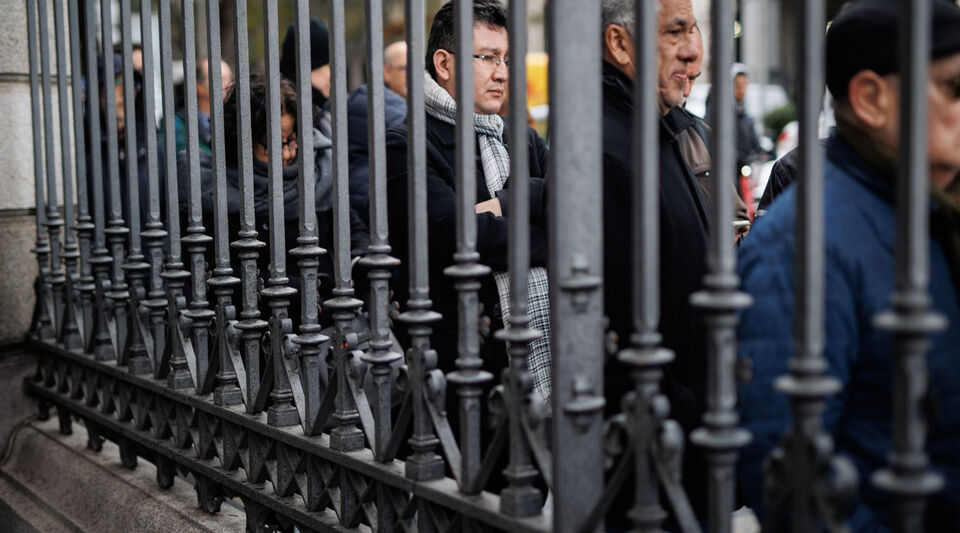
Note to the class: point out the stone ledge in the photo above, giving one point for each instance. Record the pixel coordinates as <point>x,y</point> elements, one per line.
<point>52,482</point>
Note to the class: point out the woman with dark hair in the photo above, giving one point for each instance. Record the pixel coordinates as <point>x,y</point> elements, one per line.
<point>259,115</point>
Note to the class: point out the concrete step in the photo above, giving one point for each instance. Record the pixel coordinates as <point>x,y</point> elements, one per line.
<point>51,483</point>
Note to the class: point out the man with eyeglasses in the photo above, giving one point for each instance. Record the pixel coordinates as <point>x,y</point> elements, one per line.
<point>489,60</point>
<point>860,195</point>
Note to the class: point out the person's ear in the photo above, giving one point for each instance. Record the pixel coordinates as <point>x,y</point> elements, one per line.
<point>872,99</point>
<point>616,42</point>
<point>443,64</point>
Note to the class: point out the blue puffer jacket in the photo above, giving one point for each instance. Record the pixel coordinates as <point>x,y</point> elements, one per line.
<point>860,266</point>
<point>394,112</point>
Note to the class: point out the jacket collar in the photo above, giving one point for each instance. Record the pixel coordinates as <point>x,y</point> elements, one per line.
<point>442,133</point>
<point>617,87</point>
<point>676,120</point>
<point>618,91</point>
<point>840,153</point>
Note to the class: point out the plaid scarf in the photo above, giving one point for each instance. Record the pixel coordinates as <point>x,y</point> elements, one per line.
<point>496,169</point>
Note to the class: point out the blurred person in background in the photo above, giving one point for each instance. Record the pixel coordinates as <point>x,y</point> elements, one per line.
<point>319,68</point>
<point>261,184</point>
<point>394,113</point>
<point>203,105</point>
<point>860,195</point>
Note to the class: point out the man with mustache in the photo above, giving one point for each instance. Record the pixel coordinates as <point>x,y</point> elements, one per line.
<point>684,216</point>
<point>684,211</point>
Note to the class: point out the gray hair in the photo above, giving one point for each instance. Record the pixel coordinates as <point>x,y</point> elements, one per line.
<point>619,12</point>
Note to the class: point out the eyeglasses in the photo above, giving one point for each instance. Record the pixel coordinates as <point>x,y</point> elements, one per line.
<point>289,143</point>
<point>952,87</point>
<point>491,60</point>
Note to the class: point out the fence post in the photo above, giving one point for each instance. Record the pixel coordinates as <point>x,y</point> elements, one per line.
<point>42,322</point>
<point>154,233</point>
<point>178,377</point>
<point>576,259</point>
<point>423,464</point>
<point>908,477</point>
<point>52,218</point>
<point>134,352</point>
<point>721,299</point>
<point>278,290</point>
<point>69,332</point>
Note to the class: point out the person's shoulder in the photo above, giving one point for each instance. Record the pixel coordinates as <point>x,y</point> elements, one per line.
<point>391,97</point>
<point>357,100</point>
<point>534,138</point>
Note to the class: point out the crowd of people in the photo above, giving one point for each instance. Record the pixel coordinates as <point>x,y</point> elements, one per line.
<point>862,74</point>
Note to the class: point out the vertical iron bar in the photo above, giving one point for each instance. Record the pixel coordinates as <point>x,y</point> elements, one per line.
<point>84,227</point>
<point>278,291</point>
<point>69,332</point>
<point>644,353</point>
<point>178,377</point>
<point>248,246</point>
<point>196,241</point>
<point>136,268</point>
<point>101,345</point>
<point>53,220</point>
<point>223,280</point>
<point>116,230</point>
<point>42,322</point>
<point>720,299</point>
<point>154,233</point>
<point>908,478</point>
<point>307,251</point>
<point>520,498</point>
<point>808,383</point>
<point>576,260</point>
<point>346,436</point>
<point>378,260</point>
<point>467,272</point>
<point>423,464</point>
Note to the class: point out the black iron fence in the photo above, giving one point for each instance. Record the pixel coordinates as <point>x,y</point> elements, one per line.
<point>333,428</point>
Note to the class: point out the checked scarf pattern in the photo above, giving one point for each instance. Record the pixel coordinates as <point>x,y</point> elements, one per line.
<point>496,169</point>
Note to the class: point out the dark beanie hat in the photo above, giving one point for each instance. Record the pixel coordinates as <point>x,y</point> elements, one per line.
<point>865,36</point>
<point>319,49</point>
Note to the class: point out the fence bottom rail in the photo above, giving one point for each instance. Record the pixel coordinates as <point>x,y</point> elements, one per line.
<point>230,454</point>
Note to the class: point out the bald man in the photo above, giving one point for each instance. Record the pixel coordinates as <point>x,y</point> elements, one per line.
<point>395,111</point>
<point>203,105</point>
<point>395,67</point>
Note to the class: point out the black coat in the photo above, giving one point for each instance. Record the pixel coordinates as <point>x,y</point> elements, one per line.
<point>783,173</point>
<point>684,229</point>
<point>492,231</point>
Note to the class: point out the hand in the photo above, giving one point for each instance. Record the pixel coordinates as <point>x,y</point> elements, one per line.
<point>489,206</point>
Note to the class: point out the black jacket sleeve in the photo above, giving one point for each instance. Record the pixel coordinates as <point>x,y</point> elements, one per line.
<point>783,173</point>
<point>492,231</point>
